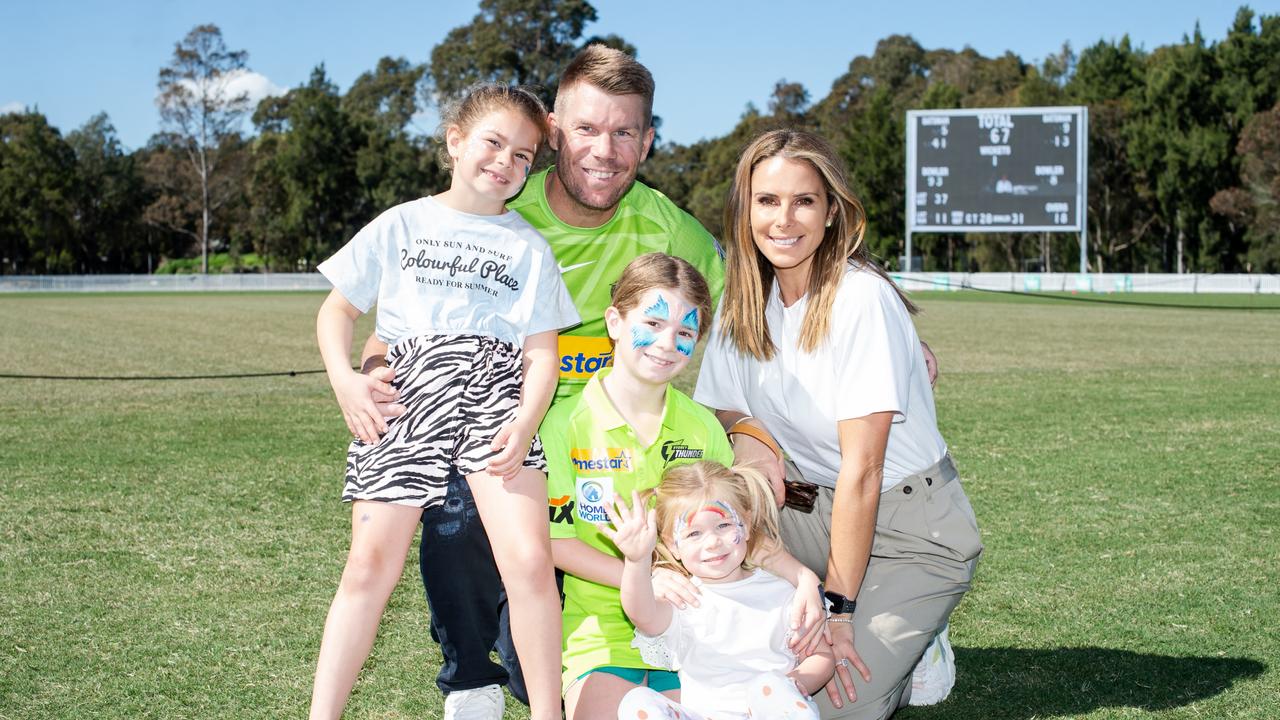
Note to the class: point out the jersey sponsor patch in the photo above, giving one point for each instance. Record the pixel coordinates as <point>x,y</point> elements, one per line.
<point>582,357</point>
<point>561,509</point>
<point>601,461</point>
<point>593,497</point>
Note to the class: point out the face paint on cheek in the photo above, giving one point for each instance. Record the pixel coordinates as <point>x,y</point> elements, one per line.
<point>642,337</point>
<point>684,346</point>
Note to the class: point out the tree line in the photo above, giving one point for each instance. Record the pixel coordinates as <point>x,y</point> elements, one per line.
<point>1184,151</point>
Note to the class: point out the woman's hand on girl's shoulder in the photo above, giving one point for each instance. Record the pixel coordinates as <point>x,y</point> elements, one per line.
<point>750,451</point>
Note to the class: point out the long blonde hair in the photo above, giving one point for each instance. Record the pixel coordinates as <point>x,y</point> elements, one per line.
<point>749,275</point>
<point>686,488</point>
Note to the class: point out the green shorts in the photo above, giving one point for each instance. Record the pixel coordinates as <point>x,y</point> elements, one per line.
<point>656,680</point>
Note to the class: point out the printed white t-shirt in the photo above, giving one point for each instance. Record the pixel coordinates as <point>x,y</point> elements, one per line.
<point>871,362</point>
<point>433,270</point>
<point>737,632</point>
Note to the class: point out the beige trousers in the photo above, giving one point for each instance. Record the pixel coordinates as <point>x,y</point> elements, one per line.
<point>923,555</point>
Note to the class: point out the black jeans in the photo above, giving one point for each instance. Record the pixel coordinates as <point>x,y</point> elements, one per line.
<point>466,598</point>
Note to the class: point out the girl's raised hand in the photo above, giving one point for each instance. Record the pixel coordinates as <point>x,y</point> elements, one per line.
<point>635,529</point>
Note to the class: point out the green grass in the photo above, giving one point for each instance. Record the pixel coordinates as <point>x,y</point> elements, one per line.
<point>169,548</point>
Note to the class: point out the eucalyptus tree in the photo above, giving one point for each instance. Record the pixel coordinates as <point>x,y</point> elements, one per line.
<point>201,112</point>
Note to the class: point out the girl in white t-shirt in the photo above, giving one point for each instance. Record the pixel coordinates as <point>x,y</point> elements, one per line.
<point>732,649</point>
<point>469,300</point>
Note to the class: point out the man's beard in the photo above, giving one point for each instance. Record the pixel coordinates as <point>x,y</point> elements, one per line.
<point>573,188</point>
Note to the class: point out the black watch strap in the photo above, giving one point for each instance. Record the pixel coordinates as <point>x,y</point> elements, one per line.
<point>838,604</point>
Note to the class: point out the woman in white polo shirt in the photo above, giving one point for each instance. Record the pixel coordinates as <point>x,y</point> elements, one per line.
<point>813,350</point>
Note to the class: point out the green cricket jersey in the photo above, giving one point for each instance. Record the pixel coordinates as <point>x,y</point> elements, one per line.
<point>591,259</point>
<point>592,453</point>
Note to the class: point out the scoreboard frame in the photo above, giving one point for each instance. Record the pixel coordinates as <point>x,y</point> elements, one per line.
<point>1079,136</point>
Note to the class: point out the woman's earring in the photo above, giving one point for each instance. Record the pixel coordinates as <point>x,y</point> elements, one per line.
<point>829,221</point>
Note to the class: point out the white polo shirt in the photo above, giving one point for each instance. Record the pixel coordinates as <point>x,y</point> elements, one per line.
<point>871,362</point>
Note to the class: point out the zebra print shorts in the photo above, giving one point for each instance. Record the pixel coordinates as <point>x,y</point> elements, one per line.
<point>458,391</point>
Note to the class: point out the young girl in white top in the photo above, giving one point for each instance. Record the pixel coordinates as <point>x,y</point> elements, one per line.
<point>732,650</point>
<point>470,300</point>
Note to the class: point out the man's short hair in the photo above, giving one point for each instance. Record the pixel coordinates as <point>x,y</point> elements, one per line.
<point>612,71</point>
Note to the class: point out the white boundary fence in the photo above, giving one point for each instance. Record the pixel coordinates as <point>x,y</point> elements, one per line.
<point>1092,282</point>
<point>237,282</point>
<point>1017,282</point>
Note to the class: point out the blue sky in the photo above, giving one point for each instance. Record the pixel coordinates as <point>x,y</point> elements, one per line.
<point>72,60</point>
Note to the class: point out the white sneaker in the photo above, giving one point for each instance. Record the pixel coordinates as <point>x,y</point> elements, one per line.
<point>483,703</point>
<point>935,674</point>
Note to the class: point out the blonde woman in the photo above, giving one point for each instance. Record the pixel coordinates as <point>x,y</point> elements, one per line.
<point>814,359</point>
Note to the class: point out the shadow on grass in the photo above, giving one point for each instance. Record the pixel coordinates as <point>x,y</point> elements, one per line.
<point>1020,684</point>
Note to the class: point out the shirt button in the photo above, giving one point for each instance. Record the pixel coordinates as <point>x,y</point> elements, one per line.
<point>929,482</point>
<point>906,490</point>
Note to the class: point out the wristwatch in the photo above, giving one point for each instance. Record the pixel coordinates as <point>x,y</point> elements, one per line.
<point>838,604</point>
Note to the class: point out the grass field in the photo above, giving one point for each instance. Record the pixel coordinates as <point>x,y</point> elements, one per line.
<point>169,548</point>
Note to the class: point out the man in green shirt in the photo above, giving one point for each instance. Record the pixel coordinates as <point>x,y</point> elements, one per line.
<point>597,218</point>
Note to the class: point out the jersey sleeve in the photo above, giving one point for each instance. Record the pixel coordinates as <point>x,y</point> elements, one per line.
<point>356,269</point>
<point>560,476</point>
<point>553,307</point>
<point>873,337</point>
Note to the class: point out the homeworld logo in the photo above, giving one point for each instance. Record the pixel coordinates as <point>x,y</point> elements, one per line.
<point>676,450</point>
<point>593,495</point>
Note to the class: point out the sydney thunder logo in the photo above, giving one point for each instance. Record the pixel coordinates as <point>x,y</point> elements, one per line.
<point>676,450</point>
